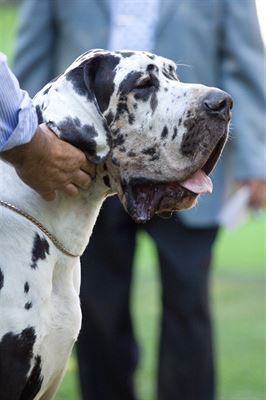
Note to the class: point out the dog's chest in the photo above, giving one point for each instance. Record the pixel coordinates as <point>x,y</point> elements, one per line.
<point>40,310</point>
<point>59,328</point>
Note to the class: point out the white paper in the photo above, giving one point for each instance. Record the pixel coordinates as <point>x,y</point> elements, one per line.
<point>236,208</point>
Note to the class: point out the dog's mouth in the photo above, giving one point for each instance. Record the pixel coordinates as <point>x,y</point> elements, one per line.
<point>145,198</point>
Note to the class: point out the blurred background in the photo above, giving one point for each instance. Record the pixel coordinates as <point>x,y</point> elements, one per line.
<point>238,292</point>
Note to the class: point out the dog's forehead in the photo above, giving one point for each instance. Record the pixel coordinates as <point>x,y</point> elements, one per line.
<point>140,60</point>
<point>129,61</point>
<point>143,58</point>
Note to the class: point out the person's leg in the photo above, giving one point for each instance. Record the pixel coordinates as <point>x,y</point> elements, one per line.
<point>106,349</point>
<point>186,370</point>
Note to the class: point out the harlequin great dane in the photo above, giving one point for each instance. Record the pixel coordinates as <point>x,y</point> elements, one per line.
<point>154,141</point>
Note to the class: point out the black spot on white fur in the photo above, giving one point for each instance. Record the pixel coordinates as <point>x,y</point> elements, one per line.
<point>129,82</point>
<point>154,101</point>
<point>94,78</point>
<point>1,279</point>
<point>28,305</point>
<point>122,107</point>
<point>131,153</point>
<point>81,136</point>
<point>169,72</point>
<point>197,131</point>
<point>39,114</point>
<point>131,119</point>
<point>16,354</point>
<point>152,67</point>
<point>109,118</point>
<point>47,90</point>
<point>102,79</point>
<point>152,152</point>
<point>34,382</point>
<point>26,287</point>
<point>76,77</point>
<point>39,251</point>
<point>164,133</point>
<point>119,140</point>
<point>149,151</point>
<point>175,133</point>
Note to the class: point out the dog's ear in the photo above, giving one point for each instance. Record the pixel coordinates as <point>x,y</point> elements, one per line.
<point>70,107</point>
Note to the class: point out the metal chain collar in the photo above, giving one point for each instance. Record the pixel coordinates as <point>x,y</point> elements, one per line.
<point>53,239</point>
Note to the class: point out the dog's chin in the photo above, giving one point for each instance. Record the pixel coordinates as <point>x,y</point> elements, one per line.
<point>143,200</point>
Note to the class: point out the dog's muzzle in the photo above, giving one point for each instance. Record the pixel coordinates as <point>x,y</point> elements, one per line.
<point>144,198</point>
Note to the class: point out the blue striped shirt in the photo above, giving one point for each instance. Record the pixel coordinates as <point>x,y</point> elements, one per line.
<point>130,26</point>
<point>18,118</point>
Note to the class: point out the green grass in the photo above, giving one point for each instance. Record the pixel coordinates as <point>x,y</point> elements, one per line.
<point>69,390</point>
<point>238,301</point>
<point>239,309</point>
<point>8,18</point>
<point>243,248</point>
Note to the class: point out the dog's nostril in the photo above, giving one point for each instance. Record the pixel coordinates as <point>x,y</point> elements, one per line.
<point>215,106</point>
<point>218,102</point>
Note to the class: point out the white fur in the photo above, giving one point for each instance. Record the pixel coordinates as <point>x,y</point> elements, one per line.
<point>54,284</point>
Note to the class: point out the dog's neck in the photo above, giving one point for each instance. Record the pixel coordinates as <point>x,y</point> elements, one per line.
<point>69,220</point>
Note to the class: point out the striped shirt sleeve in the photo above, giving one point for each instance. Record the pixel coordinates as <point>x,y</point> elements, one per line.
<point>18,118</point>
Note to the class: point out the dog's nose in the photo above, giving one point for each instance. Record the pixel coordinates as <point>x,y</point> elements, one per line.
<point>218,103</point>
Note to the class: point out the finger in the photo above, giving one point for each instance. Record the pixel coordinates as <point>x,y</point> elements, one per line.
<point>88,166</point>
<point>48,196</point>
<point>254,200</point>
<point>70,190</point>
<point>81,179</point>
<point>259,200</point>
<point>258,194</point>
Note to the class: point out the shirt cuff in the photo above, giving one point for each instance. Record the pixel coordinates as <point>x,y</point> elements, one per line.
<point>26,126</point>
<point>18,117</point>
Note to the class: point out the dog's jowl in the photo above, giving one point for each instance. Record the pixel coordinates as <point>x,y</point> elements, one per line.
<point>154,141</point>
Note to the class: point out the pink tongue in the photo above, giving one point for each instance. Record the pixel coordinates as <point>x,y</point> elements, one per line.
<point>198,183</point>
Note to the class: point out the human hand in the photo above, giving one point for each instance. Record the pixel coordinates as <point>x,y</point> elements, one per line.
<point>48,164</point>
<point>257,192</point>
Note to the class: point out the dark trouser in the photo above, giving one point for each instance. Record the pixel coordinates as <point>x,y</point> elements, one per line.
<point>106,349</point>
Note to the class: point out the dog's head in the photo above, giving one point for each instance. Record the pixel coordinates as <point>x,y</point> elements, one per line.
<point>158,138</point>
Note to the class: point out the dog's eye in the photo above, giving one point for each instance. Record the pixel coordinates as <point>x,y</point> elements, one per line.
<point>144,83</point>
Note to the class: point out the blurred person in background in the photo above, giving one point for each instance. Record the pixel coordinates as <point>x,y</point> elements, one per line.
<point>220,42</point>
